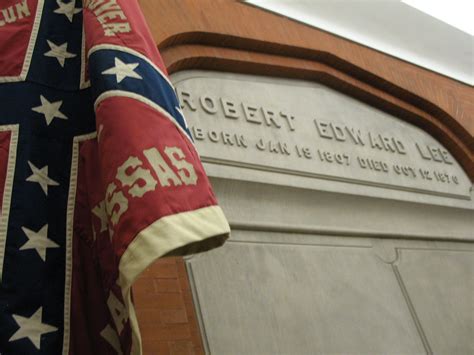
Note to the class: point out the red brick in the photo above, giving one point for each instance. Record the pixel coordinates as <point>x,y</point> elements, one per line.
<point>181,267</point>
<point>195,332</point>
<point>149,317</point>
<point>164,270</point>
<point>147,273</point>
<point>153,347</point>
<point>144,285</point>
<point>198,347</point>
<point>169,332</point>
<point>174,316</point>
<point>167,285</point>
<point>165,310</point>
<point>160,300</point>
<point>188,299</point>
<point>168,260</point>
<point>160,266</point>
<point>181,348</point>
<point>184,283</point>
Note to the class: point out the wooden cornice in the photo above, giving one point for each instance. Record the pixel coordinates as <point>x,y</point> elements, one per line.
<point>228,35</point>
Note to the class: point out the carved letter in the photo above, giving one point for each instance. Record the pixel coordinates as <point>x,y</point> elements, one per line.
<point>289,120</point>
<point>387,143</point>
<point>338,132</point>
<point>240,140</point>
<point>355,135</point>
<point>187,99</point>
<point>198,134</point>
<point>400,146</point>
<point>284,148</point>
<point>362,162</point>
<point>323,129</point>
<point>269,117</point>
<point>423,155</point>
<point>434,151</point>
<point>446,157</point>
<point>229,109</point>
<point>272,147</point>
<point>213,136</point>
<point>374,143</point>
<point>260,145</point>
<point>250,114</point>
<point>226,138</point>
<point>208,104</point>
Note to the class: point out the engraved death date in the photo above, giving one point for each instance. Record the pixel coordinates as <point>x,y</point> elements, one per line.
<point>279,133</point>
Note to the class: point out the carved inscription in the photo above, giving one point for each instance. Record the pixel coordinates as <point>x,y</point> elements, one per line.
<point>339,132</point>
<point>273,132</point>
<point>234,110</point>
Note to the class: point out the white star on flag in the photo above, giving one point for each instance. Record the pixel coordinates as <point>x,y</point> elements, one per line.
<point>39,241</point>
<point>67,9</point>
<point>41,177</point>
<point>122,70</point>
<point>32,328</point>
<point>59,52</point>
<point>50,110</point>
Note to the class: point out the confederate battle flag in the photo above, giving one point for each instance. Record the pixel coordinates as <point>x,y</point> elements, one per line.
<point>98,175</point>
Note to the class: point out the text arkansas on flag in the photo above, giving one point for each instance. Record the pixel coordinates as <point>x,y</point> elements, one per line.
<point>98,175</point>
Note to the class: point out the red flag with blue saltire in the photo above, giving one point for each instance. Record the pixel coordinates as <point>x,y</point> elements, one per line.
<point>99,176</point>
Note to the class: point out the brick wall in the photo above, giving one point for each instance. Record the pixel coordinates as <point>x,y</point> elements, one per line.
<point>165,310</point>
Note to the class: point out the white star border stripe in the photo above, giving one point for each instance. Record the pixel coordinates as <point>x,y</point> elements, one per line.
<point>122,70</point>
<point>50,110</point>
<point>59,52</point>
<point>32,328</point>
<point>39,241</point>
<point>177,108</point>
<point>67,9</point>
<point>41,177</point>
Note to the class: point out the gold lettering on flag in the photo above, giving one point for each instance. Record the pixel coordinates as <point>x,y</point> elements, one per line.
<point>132,174</point>
<point>110,15</point>
<point>118,311</point>
<point>132,178</point>
<point>14,13</point>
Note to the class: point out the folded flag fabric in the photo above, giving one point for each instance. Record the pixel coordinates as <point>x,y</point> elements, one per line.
<point>99,176</point>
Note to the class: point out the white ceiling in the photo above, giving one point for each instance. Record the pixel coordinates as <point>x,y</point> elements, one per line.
<point>389,26</point>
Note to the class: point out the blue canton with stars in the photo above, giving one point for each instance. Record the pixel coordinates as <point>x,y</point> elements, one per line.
<point>109,69</point>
